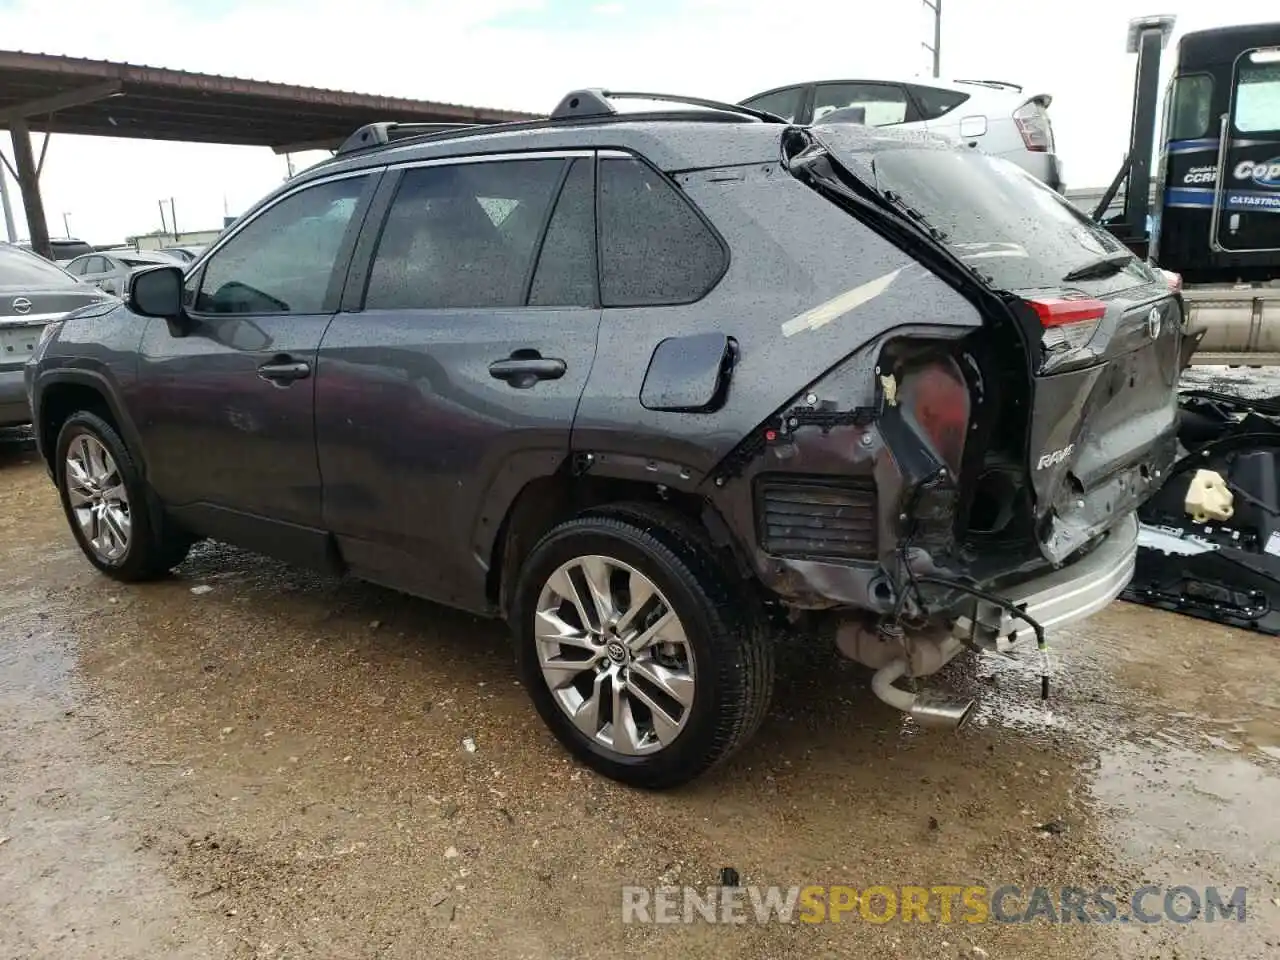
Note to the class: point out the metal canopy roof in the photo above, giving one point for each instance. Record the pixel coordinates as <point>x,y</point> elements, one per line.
<point>99,97</point>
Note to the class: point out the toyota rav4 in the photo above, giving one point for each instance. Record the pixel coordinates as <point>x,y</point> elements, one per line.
<point>652,387</point>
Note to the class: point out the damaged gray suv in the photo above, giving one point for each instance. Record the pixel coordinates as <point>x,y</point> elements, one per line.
<point>652,387</point>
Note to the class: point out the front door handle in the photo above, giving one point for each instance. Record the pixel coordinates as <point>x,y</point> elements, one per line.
<point>284,371</point>
<point>525,368</point>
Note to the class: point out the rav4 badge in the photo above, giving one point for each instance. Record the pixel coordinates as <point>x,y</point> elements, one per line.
<point>1055,457</point>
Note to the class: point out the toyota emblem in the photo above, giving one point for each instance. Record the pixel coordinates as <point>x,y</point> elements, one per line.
<point>22,305</point>
<point>1154,319</point>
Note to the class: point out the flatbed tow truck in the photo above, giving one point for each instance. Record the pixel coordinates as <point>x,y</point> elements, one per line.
<point>1210,543</point>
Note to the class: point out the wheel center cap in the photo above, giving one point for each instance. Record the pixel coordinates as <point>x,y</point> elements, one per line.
<point>616,650</point>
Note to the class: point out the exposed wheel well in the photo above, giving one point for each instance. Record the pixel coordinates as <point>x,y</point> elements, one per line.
<point>549,501</point>
<point>59,402</point>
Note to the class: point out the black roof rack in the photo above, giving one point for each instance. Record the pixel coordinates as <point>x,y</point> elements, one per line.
<point>587,104</point>
<point>380,134</point>
<point>594,102</point>
<point>992,83</point>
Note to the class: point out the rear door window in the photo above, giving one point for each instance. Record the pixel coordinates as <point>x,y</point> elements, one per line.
<point>462,235</point>
<point>565,275</point>
<point>654,247</point>
<point>884,103</point>
<point>781,103</point>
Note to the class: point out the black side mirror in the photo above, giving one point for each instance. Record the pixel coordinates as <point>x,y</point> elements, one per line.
<point>155,292</point>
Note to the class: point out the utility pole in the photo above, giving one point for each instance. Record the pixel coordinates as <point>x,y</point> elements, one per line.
<point>173,219</point>
<point>164,224</point>
<point>66,225</point>
<point>936,49</point>
<point>9,230</point>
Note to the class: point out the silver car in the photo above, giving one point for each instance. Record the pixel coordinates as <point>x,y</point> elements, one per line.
<point>33,292</point>
<point>109,271</point>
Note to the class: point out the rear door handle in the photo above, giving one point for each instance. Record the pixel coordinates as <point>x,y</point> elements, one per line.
<point>524,372</point>
<point>284,371</point>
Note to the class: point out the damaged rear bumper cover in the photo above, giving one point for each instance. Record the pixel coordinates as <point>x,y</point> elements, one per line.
<point>1062,597</point>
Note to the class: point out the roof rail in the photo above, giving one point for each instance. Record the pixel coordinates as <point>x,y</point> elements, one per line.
<point>594,102</point>
<point>586,104</point>
<point>380,134</point>
<point>992,83</point>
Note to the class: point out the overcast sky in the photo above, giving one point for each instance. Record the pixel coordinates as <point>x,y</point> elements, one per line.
<point>524,54</point>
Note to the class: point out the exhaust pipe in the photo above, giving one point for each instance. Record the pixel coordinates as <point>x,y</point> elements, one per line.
<point>941,712</point>
<point>928,709</point>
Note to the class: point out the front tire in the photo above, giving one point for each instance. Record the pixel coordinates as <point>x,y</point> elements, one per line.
<point>107,503</point>
<point>636,650</point>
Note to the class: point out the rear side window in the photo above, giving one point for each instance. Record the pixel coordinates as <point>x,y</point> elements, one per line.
<point>566,272</point>
<point>884,103</point>
<point>781,103</point>
<point>654,248</point>
<point>935,103</point>
<point>462,235</point>
<point>1192,107</point>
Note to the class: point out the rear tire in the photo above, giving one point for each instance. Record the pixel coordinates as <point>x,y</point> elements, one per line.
<point>689,670</point>
<point>109,506</point>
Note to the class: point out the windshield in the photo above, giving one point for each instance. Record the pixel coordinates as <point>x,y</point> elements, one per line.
<point>1009,227</point>
<point>20,270</point>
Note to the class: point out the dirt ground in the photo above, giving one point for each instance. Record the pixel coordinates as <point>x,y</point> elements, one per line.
<point>278,767</point>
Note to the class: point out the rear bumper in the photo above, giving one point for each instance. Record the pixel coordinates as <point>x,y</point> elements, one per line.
<point>14,408</point>
<point>1066,595</point>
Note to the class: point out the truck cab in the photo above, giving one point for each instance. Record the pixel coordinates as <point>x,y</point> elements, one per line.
<point>1217,203</point>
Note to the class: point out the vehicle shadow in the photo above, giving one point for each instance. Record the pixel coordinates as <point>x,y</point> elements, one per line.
<point>823,712</point>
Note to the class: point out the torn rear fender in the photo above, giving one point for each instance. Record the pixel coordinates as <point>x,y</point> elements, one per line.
<point>822,493</point>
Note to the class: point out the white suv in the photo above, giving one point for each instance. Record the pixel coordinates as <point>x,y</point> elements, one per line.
<point>995,117</point>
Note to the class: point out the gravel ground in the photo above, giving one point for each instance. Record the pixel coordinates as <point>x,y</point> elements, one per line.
<point>280,766</point>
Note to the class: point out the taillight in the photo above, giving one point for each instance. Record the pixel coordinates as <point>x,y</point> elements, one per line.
<point>1173,279</point>
<point>1033,124</point>
<point>1068,322</point>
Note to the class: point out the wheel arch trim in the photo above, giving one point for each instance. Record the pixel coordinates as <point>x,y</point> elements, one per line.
<point>100,384</point>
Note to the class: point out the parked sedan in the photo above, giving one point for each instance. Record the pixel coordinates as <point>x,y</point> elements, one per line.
<point>33,291</point>
<point>109,271</point>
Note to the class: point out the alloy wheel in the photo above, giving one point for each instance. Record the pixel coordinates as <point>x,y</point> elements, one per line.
<point>98,499</point>
<point>615,655</point>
